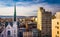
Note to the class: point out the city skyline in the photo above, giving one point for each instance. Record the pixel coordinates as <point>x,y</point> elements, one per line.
<point>27,7</point>
<point>43,25</point>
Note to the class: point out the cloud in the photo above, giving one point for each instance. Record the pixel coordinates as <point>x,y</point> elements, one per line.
<point>52,1</point>
<point>6,11</point>
<point>28,10</point>
<point>27,7</point>
<point>21,11</point>
<point>28,2</point>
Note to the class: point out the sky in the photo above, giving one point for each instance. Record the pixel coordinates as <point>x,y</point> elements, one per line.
<point>28,7</point>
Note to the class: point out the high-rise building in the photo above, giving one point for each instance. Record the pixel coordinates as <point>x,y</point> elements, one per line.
<point>44,22</point>
<point>56,25</point>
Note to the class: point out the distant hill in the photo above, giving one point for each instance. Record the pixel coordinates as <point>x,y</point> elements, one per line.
<point>17,16</point>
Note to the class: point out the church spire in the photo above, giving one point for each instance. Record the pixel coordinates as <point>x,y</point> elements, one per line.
<point>15,12</point>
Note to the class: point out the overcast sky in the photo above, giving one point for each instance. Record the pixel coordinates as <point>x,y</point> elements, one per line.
<point>27,7</point>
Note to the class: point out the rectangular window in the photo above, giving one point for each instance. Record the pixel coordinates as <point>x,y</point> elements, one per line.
<point>57,23</point>
<point>57,32</point>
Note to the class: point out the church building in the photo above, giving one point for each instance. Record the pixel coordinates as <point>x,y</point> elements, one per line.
<point>11,30</point>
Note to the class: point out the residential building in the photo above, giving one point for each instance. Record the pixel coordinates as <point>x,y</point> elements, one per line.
<point>44,22</point>
<point>56,25</point>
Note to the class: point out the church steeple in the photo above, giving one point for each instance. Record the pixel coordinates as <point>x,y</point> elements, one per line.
<point>15,12</point>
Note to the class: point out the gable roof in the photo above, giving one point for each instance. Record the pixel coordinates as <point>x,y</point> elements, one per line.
<point>8,27</point>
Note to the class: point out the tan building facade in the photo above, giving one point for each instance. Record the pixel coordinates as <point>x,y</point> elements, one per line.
<point>56,25</point>
<point>44,22</point>
<point>27,34</point>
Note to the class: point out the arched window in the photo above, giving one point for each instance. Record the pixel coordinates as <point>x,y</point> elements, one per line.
<point>9,33</point>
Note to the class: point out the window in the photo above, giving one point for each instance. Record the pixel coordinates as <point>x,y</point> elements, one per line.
<point>57,27</point>
<point>57,23</point>
<point>8,33</point>
<point>57,32</point>
<point>57,36</point>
